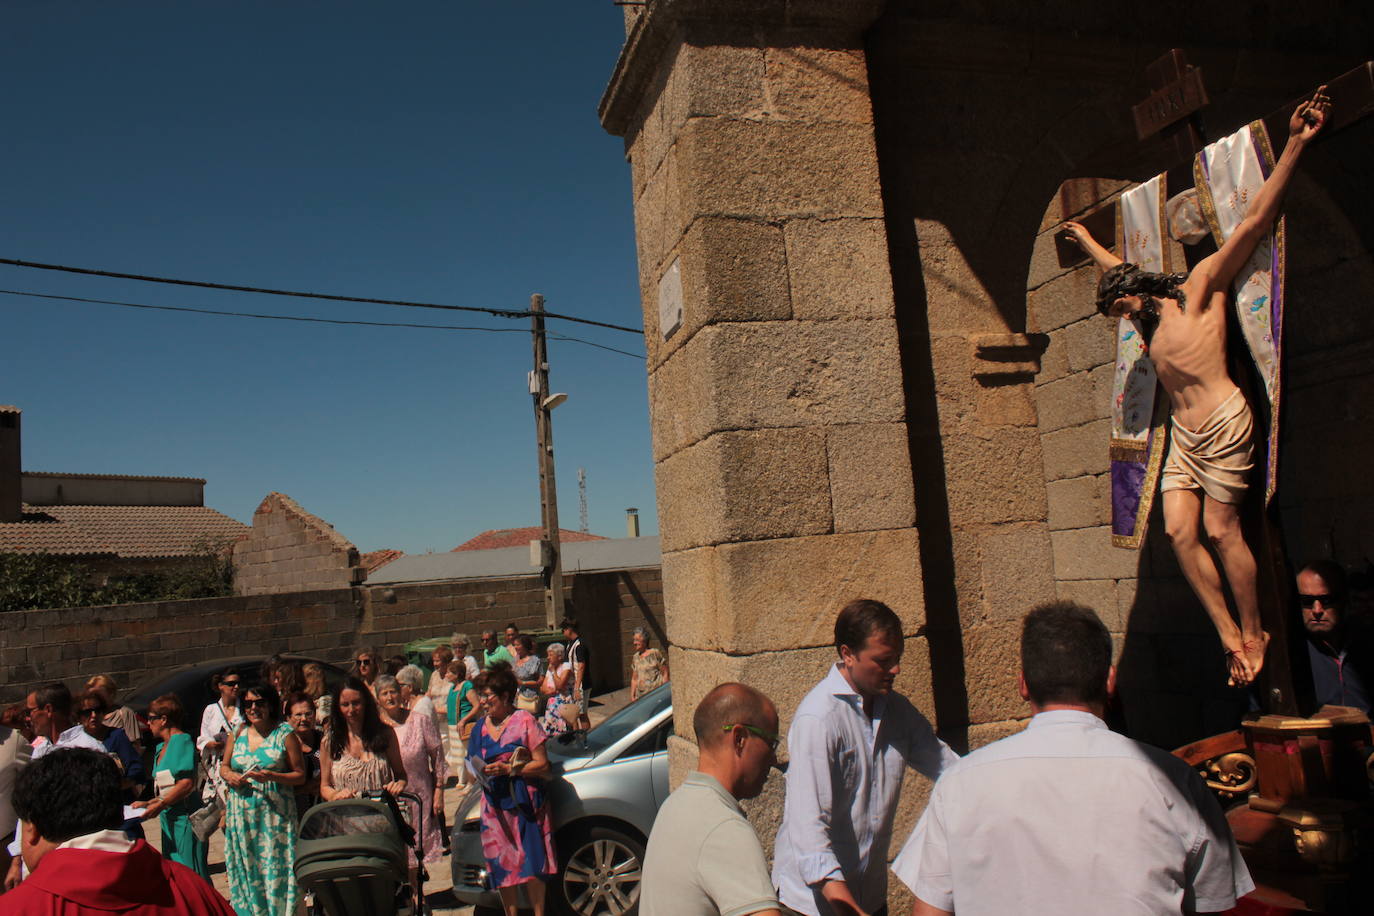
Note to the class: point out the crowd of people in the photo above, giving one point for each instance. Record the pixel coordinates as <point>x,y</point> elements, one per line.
<point>1065,816</point>
<point>269,748</point>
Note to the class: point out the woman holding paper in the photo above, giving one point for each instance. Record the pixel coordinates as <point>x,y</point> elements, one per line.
<point>174,782</point>
<point>262,766</point>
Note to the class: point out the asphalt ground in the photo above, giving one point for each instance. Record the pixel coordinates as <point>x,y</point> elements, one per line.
<point>439,887</point>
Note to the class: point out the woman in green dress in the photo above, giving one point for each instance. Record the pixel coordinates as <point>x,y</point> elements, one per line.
<point>262,766</point>
<point>174,783</point>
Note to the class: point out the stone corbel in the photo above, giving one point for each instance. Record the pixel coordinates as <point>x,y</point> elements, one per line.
<point>1002,358</point>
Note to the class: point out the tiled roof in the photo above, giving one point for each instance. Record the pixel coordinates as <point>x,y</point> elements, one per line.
<point>374,560</point>
<point>124,531</point>
<point>112,476</point>
<point>596,555</point>
<point>520,537</point>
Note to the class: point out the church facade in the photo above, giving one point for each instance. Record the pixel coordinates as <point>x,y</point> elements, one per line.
<point>871,376</point>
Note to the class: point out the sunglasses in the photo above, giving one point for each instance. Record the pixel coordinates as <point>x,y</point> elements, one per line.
<point>366,661</point>
<point>250,703</point>
<point>1309,600</point>
<point>91,711</point>
<point>229,683</point>
<point>768,737</point>
<point>155,716</point>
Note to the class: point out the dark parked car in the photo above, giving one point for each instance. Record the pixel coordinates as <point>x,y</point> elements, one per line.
<point>191,685</point>
<point>605,791</point>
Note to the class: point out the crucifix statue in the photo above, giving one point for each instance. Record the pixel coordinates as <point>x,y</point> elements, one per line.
<point>1181,319</point>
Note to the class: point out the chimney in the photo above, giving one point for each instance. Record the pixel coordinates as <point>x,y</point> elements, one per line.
<point>632,523</point>
<point>11,473</point>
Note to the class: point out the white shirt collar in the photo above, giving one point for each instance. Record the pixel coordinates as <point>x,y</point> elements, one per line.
<point>103,840</point>
<point>1066,717</point>
<point>837,684</point>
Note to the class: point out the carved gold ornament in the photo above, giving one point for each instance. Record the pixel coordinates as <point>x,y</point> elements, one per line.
<point>1230,775</point>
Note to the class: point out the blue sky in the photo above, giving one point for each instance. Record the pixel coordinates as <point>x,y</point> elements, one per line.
<point>433,151</point>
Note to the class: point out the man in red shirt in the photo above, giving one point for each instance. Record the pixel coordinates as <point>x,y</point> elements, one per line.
<point>79,860</point>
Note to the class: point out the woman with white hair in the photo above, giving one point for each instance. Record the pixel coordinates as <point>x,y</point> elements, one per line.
<point>556,687</point>
<point>421,751</point>
<point>411,682</point>
<point>648,667</point>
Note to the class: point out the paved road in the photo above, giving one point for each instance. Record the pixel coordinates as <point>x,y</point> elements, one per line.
<point>439,887</point>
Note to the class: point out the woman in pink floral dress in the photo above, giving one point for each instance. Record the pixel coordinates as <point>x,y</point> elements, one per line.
<point>423,755</point>
<point>507,745</point>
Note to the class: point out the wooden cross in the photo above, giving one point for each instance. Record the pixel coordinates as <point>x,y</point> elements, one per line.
<point>1171,110</point>
<point>1176,97</point>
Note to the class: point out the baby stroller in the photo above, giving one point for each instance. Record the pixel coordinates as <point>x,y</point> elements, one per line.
<point>353,857</point>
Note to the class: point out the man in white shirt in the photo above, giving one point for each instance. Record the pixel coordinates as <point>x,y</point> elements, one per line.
<point>50,715</point>
<point>850,743</point>
<point>703,858</point>
<point>1068,817</point>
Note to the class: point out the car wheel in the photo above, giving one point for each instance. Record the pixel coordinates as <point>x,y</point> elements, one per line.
<point>601,873</point>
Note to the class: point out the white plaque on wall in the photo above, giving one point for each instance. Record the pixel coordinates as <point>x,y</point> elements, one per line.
<point>670,300</point>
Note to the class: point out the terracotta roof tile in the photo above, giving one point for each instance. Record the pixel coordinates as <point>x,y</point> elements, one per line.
<point>112,476</point>
<point>124,531</point>
<point>374,560</point>
<point>519,537</point>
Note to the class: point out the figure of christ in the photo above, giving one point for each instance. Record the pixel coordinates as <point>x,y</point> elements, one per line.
<point>1210,441</point>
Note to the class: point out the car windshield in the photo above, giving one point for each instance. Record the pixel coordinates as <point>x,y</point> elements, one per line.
<point>620,724</point>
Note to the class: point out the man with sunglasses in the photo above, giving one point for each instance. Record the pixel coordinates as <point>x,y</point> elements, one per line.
<point>1342,656</point>
<point>50,716</point>
<point>703,858</point>
<point>492,652</point>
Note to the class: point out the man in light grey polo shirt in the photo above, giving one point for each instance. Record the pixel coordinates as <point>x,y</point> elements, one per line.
<point>1068,817</point>
<point>703,857</point>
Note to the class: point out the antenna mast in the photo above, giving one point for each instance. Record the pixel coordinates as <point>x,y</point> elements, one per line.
<point>582,499</point>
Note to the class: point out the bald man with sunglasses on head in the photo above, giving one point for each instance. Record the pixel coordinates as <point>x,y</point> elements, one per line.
<point>704,858</point>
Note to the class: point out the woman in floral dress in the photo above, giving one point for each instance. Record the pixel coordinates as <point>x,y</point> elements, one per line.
<point>517,835</point>
<point>262,766</point>
<point>648,667</point>
<point>422,753</point>
<point>557,690</point>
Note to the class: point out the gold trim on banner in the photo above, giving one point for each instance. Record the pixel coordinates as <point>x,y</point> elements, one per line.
<point>1165,259</point>
<point>1204,197</point>
<point>1280,232</point>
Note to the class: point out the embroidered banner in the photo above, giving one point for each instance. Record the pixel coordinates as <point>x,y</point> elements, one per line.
<point>1138,409</point>
<point>1228,175</point>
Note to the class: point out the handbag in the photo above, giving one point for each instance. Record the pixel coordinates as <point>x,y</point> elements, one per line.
<point>205,819</point>
<point>529,704</point>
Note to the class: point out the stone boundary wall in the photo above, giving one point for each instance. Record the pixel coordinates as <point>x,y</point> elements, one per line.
<point>138,642</point>
<point>291,550</point>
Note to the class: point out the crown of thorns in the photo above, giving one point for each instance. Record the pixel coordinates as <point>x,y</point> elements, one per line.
<point>1127,279</point>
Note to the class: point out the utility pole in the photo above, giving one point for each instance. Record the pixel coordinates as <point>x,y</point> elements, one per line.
<point>551,560</point>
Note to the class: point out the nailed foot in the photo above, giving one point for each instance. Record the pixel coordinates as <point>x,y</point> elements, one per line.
<point>1238,671</point>
<point>1254,649</point>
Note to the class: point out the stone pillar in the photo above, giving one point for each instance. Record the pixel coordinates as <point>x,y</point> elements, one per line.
<point>778,414</point>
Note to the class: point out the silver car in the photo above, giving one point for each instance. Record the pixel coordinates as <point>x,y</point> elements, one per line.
<point>605,791</point>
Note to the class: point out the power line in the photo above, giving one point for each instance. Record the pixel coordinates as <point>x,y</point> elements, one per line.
<point>204,284</point>
<point>374,324</point>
